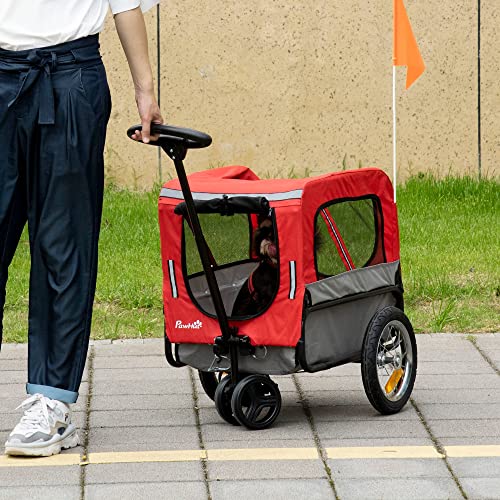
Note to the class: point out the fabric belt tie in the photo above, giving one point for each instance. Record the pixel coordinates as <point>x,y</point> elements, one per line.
<point>41,67</point>
<point>41,63</point>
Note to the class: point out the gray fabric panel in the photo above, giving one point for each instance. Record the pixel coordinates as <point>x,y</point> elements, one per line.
<point>230,281</point>
<point>177,194</point>
<point>270,361</point>
<point>336,333</point>
<point>359,280</point>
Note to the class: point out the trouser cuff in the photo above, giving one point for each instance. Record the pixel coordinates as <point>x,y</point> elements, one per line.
<point>52,393</point>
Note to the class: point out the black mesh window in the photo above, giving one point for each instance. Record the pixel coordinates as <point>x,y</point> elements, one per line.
<point>227,237</point>
<point>348,236</point>
<point>243,250</point>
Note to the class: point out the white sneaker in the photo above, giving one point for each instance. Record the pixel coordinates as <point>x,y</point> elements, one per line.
<point>44,430</point>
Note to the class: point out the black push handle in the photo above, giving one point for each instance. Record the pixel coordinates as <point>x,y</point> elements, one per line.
<point>175,136</point>
<point>175,141</point>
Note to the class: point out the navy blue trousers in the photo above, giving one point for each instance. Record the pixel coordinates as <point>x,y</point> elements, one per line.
<point>54,109</point>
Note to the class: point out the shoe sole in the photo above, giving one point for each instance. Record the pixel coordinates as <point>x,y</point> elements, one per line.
<point>69,441</point>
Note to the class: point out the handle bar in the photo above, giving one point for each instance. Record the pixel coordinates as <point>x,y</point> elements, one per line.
<point>177,136</point>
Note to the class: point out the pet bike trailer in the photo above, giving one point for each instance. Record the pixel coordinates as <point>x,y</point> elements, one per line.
<point>330,292</point>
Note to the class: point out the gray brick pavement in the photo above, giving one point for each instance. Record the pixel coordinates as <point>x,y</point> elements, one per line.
<point>140,404</point>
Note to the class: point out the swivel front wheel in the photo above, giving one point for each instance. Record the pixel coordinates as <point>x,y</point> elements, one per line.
<point>256,402</point>
<point>222,398</point>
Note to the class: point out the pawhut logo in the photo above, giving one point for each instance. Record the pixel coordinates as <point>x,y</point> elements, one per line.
<point>192,326</point>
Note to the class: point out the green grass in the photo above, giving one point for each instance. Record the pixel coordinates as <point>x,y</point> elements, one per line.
<point>450,253</point>
<point>450,241</point>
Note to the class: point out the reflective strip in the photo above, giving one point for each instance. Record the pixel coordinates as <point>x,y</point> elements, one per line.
<point>177,194</point>
<point>293,284</point>
<point>173,284</point>
<point>332,227</point>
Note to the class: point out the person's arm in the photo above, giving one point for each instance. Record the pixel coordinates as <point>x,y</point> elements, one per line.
<point>133,37</point>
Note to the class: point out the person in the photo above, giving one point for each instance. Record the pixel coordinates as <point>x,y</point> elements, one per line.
<point>54,109</point>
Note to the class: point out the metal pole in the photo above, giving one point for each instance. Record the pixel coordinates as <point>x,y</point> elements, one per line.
<point>394,166</point>
<point>394,41</point>
<point>158,80</point>
<point>479,87</point>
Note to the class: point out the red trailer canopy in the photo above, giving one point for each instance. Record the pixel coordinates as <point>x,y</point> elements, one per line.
<point>303,208</point>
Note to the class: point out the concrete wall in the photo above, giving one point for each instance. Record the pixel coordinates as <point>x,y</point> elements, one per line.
<point>293,88</point>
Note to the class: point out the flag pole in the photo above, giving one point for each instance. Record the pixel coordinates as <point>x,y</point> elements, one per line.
<point>394,102</point>
<point>394,130</point>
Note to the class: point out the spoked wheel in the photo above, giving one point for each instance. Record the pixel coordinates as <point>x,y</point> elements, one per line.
<point>222,398</point>
<point>389,360</point>
<point>210,381</point>
<point>256,402</point>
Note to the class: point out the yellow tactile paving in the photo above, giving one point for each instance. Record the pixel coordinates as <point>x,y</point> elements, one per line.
<point>253,454</point>
<point>485,451</point>
<point>263,454</point>
<point>382,452</point>
<point>53,461</point>
<point>146,456</point>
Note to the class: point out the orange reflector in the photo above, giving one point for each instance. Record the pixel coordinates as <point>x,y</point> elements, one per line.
<point>394,380</point>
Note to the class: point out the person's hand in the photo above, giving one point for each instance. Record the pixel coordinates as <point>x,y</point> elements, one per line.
<point>148,112</point>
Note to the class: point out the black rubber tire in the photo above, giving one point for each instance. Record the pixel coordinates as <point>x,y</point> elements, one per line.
<point>222,400</point>
<point>374,392</point>
<point>209,382</point>
<point>251,396</point>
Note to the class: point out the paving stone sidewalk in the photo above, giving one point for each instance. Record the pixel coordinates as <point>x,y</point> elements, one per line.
<point>132,401</point>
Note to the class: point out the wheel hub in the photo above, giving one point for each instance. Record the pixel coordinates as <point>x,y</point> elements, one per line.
<point>394,360</point>
<point>398,361</point>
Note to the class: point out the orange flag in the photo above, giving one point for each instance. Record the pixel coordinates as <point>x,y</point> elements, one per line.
<point>406,51</point>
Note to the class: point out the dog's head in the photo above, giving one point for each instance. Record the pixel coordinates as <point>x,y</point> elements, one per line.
<point>264,240</point>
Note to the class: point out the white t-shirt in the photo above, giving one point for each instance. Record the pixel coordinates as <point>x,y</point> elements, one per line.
<point>29,24</point>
